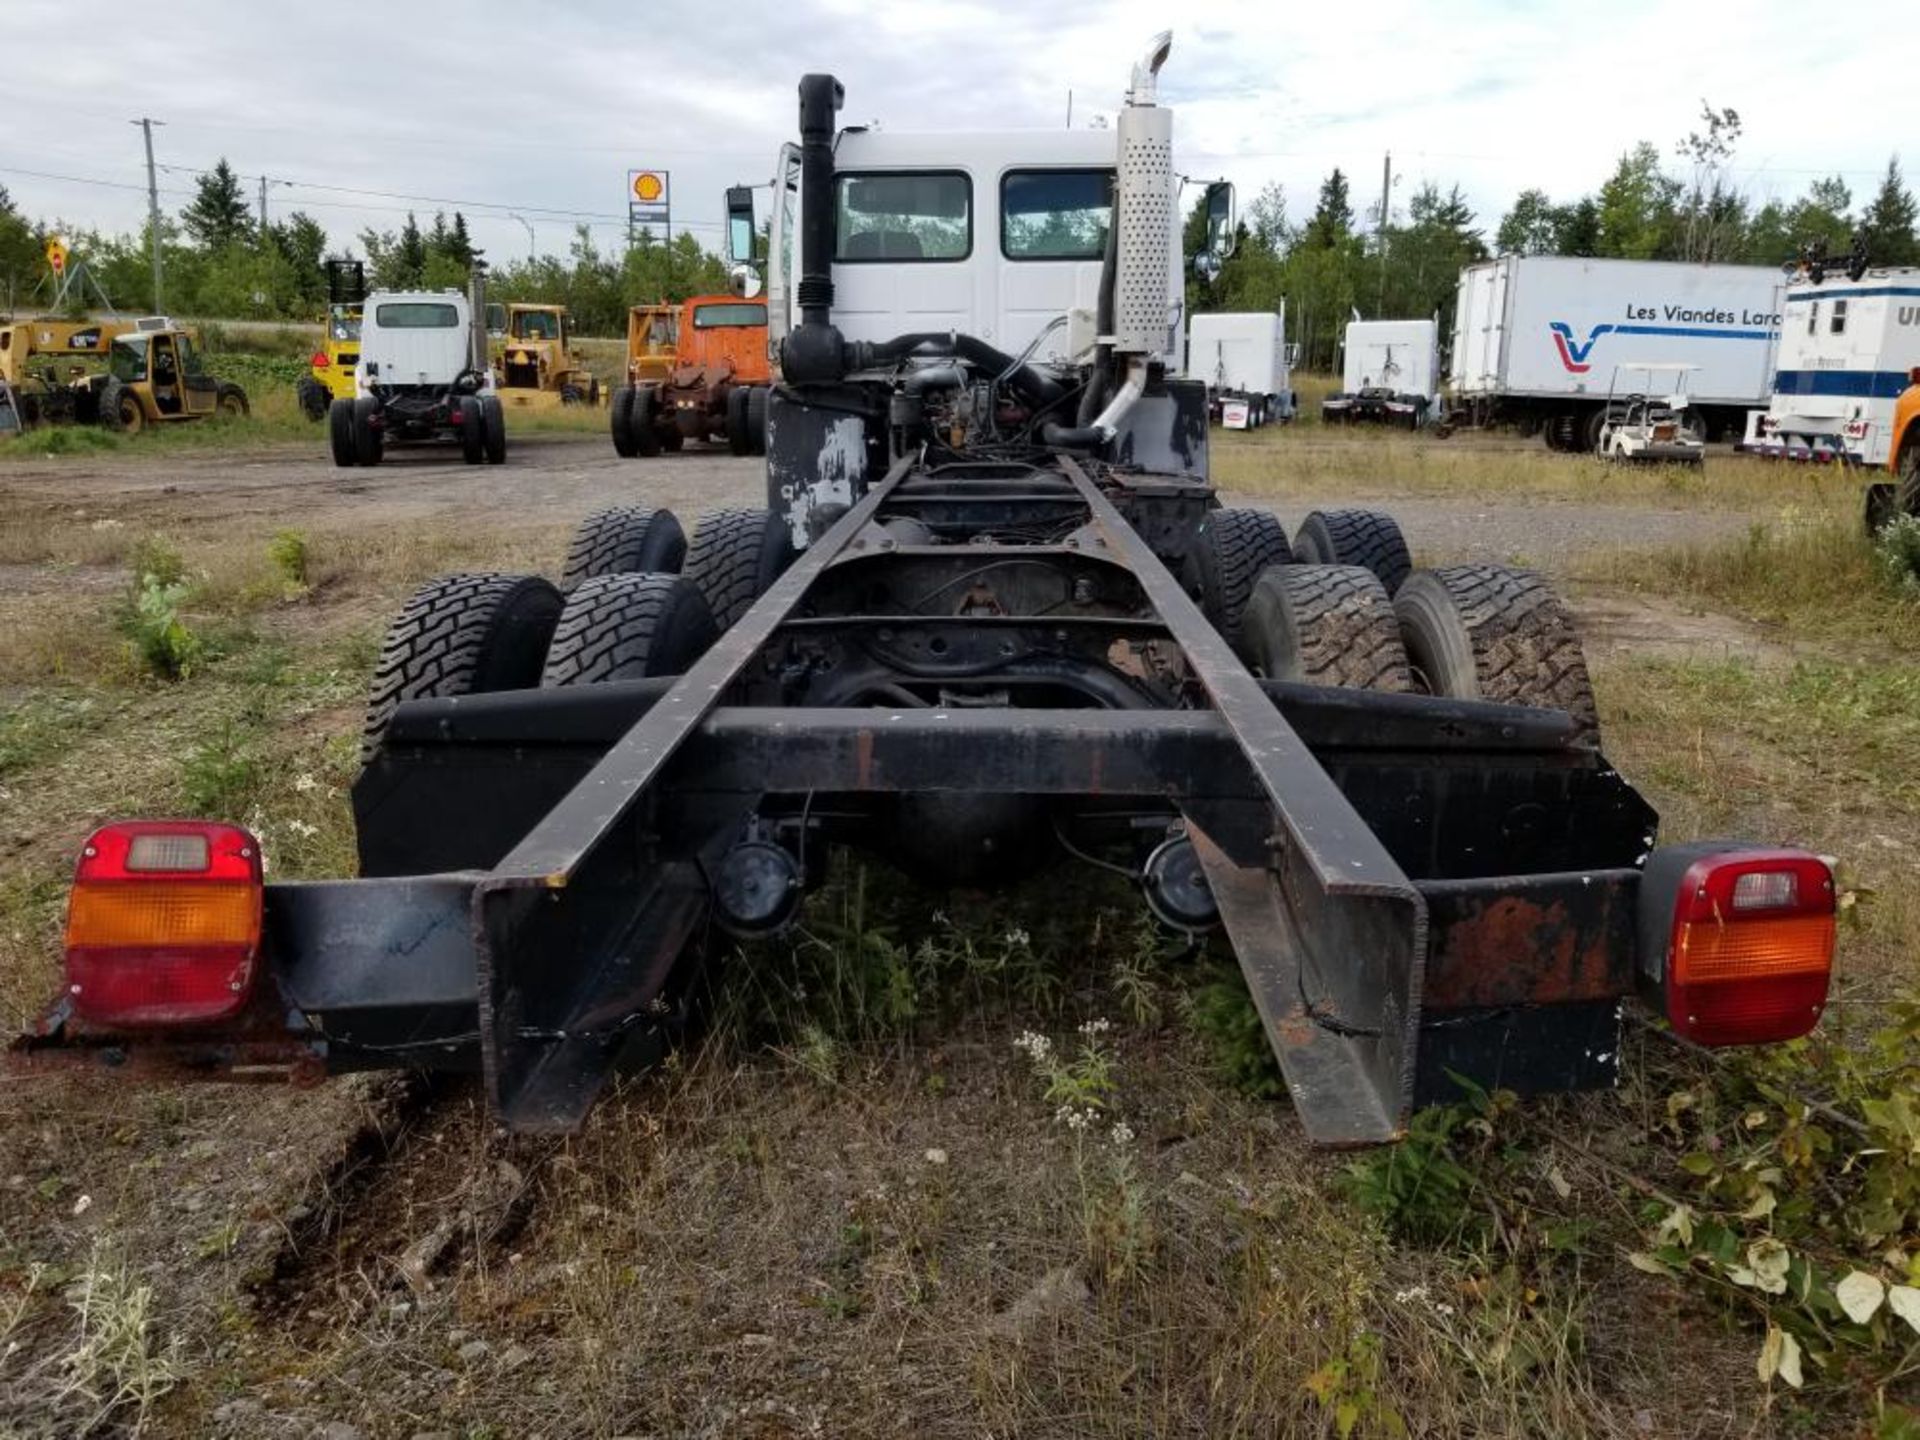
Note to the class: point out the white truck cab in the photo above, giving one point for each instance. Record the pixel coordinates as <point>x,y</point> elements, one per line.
<point>993,234</point>
<point>418,338</point>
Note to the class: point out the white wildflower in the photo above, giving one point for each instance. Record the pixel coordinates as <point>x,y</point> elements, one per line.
<point>302,829</point>
<point>1017,937</point>
<point>1093,1028</point>
<point>83,1204</point>
<point>1121,1134</point>
<point>936,1156</point>
<point>305,783</point>
<point>1079,1121</point>
<point>1033,1044</point>
<point>1443,1310</point>
<point>1407,1297</point>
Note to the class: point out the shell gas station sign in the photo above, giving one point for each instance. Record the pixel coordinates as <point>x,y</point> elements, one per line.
<point>648,198</point>
<point>57,254</point>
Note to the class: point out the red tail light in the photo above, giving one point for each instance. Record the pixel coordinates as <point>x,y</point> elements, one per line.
<point>320,361</point>
<point>163,925</point>
<point>1748,943</point>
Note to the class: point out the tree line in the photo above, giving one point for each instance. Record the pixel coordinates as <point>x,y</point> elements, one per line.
<point>221,262</point>
<point>1335,264</point>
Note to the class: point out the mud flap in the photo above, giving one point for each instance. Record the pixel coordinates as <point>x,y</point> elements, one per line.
<point>1335,975</point>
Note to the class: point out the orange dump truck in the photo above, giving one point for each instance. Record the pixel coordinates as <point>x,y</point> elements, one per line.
<point>695,372</point>
<point>1901,494</point>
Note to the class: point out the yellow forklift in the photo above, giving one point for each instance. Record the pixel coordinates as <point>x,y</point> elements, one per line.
<point>155,376</point>
<point>333,363</point>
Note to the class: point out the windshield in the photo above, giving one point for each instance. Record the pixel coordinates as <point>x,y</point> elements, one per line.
<point>536,325</point>
<point>344,324</point>
<point>128,360</point>
<point>416,315</point>
<point>717,317</point>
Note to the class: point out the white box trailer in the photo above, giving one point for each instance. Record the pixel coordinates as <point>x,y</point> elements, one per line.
<point>1390,373</point>
<point>1536,339</point>
<point>1243,359</point>
<point>1847,349</point>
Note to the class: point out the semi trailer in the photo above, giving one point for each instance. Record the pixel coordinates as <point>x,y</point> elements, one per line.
<point>1536,339</point>
<point>992,622</point>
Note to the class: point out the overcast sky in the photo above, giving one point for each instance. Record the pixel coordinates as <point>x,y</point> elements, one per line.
<point>541,108</point>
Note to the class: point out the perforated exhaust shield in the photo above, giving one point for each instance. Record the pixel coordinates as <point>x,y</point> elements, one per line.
<point>1142,306</point>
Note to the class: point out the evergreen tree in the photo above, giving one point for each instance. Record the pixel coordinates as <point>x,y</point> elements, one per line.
<point>1888,222</point>
<point>1636,207</point>
<point>1578,227</point>
<point>410,258</point>
<point>219,214</point>
<point>1332,220</point>
<point>460,242</point>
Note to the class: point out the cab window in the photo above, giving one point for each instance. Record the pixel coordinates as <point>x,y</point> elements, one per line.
<point>128,362</point>
<point>1838,325</point>
<point>904,216</point>
<point>416,315</point>
<point>1055,214</point>
<point>189,356</point>
<point>726,317</point>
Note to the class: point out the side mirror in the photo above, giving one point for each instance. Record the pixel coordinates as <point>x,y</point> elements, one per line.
<point>740,226</point>
<point>744,281</point>
<point>1220,221</point>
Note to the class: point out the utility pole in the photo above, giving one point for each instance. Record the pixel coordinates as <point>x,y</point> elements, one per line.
<point>1386,200</point>
<point>263,203</point>
<point>153,207</point>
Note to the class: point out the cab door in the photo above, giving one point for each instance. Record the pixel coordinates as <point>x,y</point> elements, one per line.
<point>163,366</point>
<point>200,392</point>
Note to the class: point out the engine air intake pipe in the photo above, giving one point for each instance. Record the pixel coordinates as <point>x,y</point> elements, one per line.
<point>813,351</point>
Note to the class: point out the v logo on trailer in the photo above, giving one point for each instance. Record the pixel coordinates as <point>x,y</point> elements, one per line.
<point>1574,353</point>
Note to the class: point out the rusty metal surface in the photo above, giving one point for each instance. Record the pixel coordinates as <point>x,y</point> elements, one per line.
<point>1531,939</point>
<point>256,1048</point>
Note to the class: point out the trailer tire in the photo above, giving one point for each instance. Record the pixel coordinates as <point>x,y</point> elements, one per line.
<point>1370,538</point>
<point>734,556</point>
<point>757,420</point>
<point>1489,632</point>
<point>473,434</point>
<point>1589,430</point>
<point>367,444</point>
<point>622,423</point>
<point>346,453</point>
<point>493,416</point>
<point>461,635</point>
<point>1228,553</point>
<point>640,422</point>
<point>629,627</point>
<point>737,441</point>
<point>625,540</point>
<point>1325,625</point>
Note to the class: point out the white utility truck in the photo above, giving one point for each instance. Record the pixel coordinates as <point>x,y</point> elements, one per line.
<point>423,375</point>
<point>1245,361</point>
<point>1535,340</point>
<point>1848,347</point>
<point>1389,374</point>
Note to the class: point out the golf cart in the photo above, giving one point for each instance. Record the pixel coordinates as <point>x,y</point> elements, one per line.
<point>1643,427</point>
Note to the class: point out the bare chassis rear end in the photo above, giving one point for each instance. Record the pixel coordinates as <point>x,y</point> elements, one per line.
<point>1412,886</point>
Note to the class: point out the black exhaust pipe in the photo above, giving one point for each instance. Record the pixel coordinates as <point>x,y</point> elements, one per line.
<point>813,351</point>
